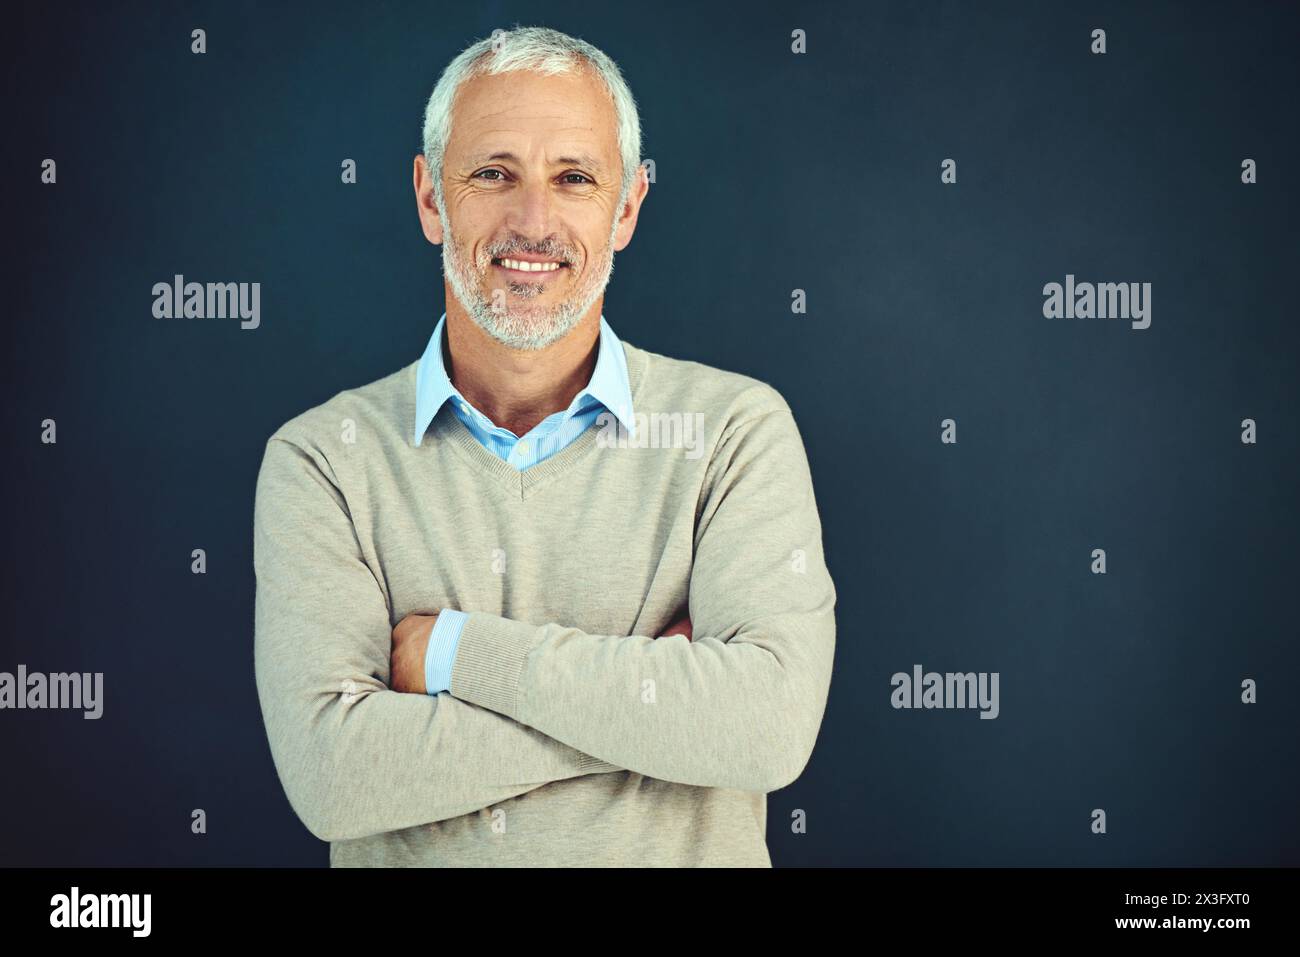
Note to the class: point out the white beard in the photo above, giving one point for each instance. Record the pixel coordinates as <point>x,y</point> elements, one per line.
<point>519,325</point>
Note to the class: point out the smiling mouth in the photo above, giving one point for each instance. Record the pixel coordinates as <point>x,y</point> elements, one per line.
<point>526,266</point>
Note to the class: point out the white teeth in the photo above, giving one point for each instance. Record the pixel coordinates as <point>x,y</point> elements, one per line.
<point>530,267</point>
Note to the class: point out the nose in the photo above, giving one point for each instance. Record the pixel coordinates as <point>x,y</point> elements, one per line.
<point>531,216</point>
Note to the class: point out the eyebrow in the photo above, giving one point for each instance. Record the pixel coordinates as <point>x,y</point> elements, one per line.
<point>582,159</point>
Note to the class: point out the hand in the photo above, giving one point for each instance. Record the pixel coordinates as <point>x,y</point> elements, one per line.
<point>410,643</point>
<point>682,627</point>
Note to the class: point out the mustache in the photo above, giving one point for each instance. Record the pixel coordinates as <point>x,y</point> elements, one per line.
<point>550,248</point>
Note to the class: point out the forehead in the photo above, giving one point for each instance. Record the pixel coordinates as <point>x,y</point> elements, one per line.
<point>520,108</point>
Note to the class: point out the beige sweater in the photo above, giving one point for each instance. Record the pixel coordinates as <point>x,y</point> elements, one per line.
<point>571,735</point>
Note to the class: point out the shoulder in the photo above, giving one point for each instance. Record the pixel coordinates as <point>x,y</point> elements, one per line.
<point>377,409</point>
<point>727,397</point>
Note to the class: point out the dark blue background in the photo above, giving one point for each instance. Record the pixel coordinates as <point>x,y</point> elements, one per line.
<point>774,171</point>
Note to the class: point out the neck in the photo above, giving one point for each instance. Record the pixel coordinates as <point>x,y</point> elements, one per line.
<point>518,388</point>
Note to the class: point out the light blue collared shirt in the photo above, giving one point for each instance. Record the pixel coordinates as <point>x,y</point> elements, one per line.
<point>608,390</point>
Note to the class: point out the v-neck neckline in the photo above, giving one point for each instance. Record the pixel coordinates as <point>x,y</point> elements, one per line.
<point>447,428</point>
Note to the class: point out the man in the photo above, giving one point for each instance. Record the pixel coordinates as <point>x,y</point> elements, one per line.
<point>542,597</point>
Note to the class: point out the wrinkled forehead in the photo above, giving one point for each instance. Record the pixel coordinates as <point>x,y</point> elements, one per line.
<point>569,116</point>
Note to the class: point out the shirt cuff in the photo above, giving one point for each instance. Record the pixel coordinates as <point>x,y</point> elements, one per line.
<point>441,653</point>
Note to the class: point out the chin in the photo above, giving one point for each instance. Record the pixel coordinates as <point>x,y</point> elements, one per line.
<point>524,328</point>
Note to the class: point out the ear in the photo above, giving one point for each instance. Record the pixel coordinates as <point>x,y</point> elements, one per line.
<point>631,209</point>
<point>425,204</point>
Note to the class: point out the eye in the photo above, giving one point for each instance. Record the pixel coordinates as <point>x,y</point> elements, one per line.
<point>481,172</point>
<point>580,176</point>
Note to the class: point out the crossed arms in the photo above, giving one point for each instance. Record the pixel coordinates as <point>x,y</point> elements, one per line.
<point>739,706</point>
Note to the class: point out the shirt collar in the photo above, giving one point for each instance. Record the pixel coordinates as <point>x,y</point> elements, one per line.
<point>609,383</point>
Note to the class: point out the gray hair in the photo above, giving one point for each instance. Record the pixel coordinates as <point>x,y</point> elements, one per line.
<point>540,50</point>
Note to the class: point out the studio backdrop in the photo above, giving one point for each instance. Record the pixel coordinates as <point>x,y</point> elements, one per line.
<point>1022,272</point>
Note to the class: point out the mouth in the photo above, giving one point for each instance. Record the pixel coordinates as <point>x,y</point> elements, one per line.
<point>529,267</point>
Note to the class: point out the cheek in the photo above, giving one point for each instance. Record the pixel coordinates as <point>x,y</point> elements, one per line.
<point>472,222</point>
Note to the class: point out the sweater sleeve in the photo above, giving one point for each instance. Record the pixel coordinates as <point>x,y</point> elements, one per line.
<point>356,758</point>
<point>739,706</point>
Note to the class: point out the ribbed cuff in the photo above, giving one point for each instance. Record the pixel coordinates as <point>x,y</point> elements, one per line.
<point>490,661</point>
<point>591,765</point>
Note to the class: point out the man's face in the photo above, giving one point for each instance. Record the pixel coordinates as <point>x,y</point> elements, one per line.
<point>532,189</point>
